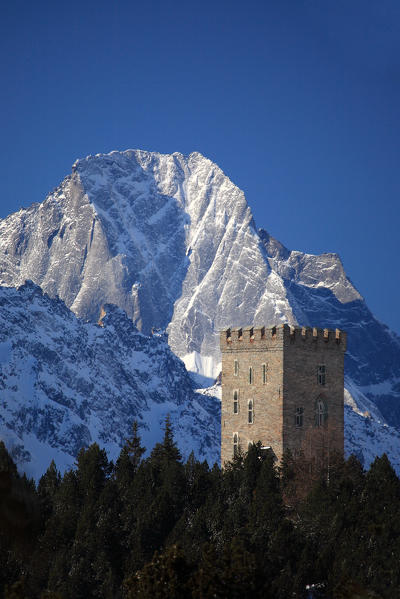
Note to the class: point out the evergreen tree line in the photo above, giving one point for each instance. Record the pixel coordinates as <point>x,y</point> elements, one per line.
<point>163,528</point>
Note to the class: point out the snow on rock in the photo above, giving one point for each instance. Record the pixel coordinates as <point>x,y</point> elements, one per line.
<point>366,437</point>
<point>66,383</point>
<point>171,241</point>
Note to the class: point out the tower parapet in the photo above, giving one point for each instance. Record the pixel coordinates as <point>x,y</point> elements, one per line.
<point>236,338</point>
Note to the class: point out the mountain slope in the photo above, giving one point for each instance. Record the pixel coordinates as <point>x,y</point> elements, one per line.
<point>321,295</point>
<point>65,383</point>
<point>168,239</point>
<point>172,242</point>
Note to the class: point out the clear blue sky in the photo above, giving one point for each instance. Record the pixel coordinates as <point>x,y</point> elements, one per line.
<point>297,101</point>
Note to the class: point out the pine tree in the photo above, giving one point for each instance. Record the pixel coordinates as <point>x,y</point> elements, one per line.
<point>198,482</point>
<point>167,576</point>
<point>233,572</point>
<point>379,548</point>
<point>15,537</point>
<point>267,506</point>
<point>252,466</point>
<point>207,580</point>
<point>167,451</point>
<point>93,471</point>
<point>127,465</point>
<point>52,559</point>
<point>16,591</point>
<point>6,462</point>
<point>134,447</point>
<point>158,496</point>
<point>48,486</point>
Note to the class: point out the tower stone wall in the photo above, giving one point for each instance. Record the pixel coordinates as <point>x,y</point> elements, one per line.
<point>292,398</point>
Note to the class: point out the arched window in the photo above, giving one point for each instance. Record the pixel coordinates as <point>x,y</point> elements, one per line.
<point>250,417</point>
<point>235,402</point>
<point>299,416</point>
<point>264,373</point>
<point>235,444</point>
<point>251,375</point>
<point>321,413</point>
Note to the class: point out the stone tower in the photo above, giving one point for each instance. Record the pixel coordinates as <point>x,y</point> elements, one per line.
<point>282,386</point>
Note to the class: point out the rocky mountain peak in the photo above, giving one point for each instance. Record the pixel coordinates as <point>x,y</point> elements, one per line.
<point>172,242</point>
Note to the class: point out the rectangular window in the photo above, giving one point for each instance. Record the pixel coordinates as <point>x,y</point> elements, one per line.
<point>236,368</point>
<point>251,375</point>
<point>321,374</point>
<point>264,373</point>
<point>236,402</point>
<point>299,416</point>
<point>235,444</point>
<point>321,413</point>
<point>250,417</point>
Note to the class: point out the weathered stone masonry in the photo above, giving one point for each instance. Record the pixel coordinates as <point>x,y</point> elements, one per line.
<point>293,395</point>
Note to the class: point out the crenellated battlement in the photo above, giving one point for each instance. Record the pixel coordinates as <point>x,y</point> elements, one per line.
<point>252,337</point>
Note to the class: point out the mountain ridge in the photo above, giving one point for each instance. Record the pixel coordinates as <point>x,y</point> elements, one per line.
<point>172,242</point>
<point>65,384</point>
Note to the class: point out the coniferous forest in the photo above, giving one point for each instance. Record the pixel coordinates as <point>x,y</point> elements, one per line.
<point>159,527</point>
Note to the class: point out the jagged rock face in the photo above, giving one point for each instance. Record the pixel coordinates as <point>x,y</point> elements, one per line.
<point>65,383</point>
<point>172,242</point>
<point>169,239</point>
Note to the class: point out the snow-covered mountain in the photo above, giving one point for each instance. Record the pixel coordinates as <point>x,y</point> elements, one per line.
<point>172,242</point>
<point>65,383</point>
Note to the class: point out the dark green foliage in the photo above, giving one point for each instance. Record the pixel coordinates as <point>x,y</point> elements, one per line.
<point>15,591</point>
<point>167,451</point>
<point>19,510</point>
<point>160,528</point>
<point>19,524</point>
<point>132,452</point>
<point>353,590</point>
<point>157,499</point>
<point>6,463</point>
<point>234,573</point>
<point>47,489</point>
<point>167,576</point>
